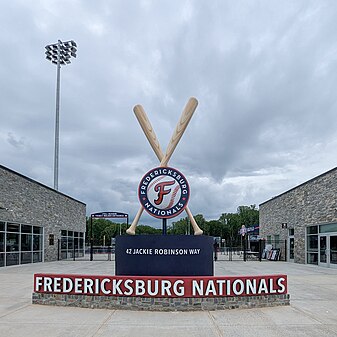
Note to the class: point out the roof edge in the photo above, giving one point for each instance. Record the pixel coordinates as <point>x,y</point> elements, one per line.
<point>302,184</point>
<point>38,183</point>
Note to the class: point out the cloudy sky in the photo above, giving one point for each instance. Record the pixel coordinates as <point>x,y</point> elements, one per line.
<point>264,73</point>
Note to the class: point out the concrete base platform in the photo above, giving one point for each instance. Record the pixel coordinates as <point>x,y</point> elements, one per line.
<point>160,304</point>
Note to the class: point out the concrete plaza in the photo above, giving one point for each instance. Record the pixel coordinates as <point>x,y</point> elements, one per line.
<point>312,312</point>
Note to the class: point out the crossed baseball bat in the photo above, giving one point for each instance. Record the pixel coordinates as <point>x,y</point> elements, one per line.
<point>164,159</point>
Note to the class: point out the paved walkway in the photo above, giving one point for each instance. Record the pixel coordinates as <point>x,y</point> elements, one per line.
<point>313,309</point>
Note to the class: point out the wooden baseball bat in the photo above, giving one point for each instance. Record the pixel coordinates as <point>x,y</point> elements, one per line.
<point>152,138</point>
<point>180,129</point>
<point>148,130</point>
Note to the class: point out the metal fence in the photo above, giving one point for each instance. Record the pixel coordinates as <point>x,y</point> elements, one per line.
<point>257,251</point>
<point>100,253</point>
<point>275,250</point>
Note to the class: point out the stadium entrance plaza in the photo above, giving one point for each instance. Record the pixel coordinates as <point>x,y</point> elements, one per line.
<point>312,310</point>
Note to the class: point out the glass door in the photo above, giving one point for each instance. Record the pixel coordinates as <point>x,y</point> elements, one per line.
<point>333,251</point>
<point>323,251</point>
<point>328,250</point>
<point>291,242</point>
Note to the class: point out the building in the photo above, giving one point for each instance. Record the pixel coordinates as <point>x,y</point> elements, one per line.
<point>306,218</point>
<point>37,223</point>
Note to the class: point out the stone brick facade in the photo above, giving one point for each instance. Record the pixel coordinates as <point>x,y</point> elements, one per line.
<point>311,203</point>
<point>161,304</point>
<point>25,201</point>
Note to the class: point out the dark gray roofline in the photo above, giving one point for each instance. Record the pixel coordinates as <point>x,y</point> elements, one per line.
<point>294,188</point>
<point>36,182</point>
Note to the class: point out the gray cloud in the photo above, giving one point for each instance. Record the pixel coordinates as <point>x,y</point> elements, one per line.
<point>263,72</point>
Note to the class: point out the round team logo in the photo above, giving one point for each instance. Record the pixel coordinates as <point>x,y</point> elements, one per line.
<point>164,192</point>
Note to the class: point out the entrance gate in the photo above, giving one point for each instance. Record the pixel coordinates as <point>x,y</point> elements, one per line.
<point>104,215</point>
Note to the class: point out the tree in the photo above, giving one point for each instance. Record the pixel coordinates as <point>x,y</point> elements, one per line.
<point>231,224</point>
<point>214,228</point>
<point>144,229</point>
<point>103,230</point>
<point>183,226</point>
<point>179,227</point>
<point>249,215</point>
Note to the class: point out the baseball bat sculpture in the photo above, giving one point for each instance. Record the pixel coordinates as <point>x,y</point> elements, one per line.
<point>152,138</point>
<point>164,159</point>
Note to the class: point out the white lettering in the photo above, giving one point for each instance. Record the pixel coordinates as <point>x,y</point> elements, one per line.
<point>263,287</point>
<point>67,285</point>
<point>47,284</point>
<point>104,290</point>
<point>127,285</point>
<point>220,286</point>
<point>210,288</point>
<point>57,284</point>
<point>87,286</point>
<point>235,289</point>
<point>140,287</point>
<point>251,286</point>
<point>280,284</point>
<point>179,291</point>
<point>115,287</point>
<point>38,283</point>
<point>197,288</point>
<point>77,285</point>
<point>271,287</point>
<point>165,287</point>
<point>149,288</point>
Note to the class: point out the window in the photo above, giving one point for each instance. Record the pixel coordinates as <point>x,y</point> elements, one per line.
<point>312,245</point>
<point>26,242</point>
<point>332,227</point>
<point>2,242</point>
<point>26,229</point>
<point>13,227</point>
<point>37,230</point>
<point>2,249</point>
<point>71,243</point>
<point>12,242</point>
<point>19,242</point>
<point>312,230</point>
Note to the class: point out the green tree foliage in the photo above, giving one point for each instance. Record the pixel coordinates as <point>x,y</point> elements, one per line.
<point>103,230</point>
<point>143,230</point>
<point>184,227</point>
<point>232,222</point>
<point>179,227</point>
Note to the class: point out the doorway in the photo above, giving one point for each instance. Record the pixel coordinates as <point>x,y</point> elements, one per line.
<point>291,244</point>
<point>327,250</point>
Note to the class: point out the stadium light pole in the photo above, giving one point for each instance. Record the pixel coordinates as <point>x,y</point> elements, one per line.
<point>60,54</point>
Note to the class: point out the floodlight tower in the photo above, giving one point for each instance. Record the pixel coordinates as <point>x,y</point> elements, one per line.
<point>60,54</point>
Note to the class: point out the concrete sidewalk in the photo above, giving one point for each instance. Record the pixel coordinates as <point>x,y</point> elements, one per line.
<point>313,309</point>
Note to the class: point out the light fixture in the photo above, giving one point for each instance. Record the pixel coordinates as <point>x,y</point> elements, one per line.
<point>60,54</point>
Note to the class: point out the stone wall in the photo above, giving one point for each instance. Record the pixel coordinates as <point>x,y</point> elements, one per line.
<point>29,202</point>
<point>161,304</point>
<point>311,203</point>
